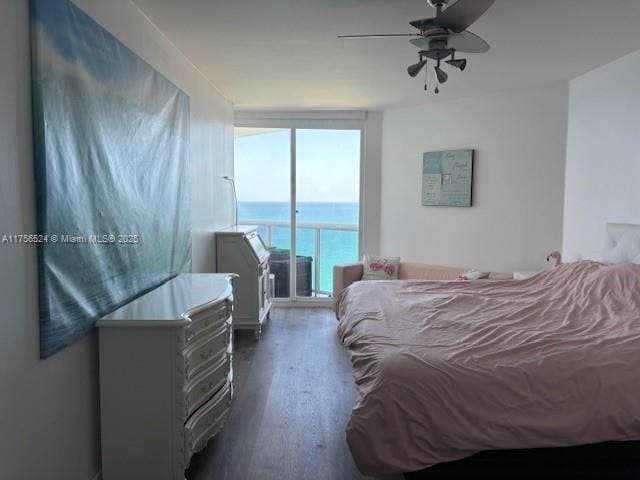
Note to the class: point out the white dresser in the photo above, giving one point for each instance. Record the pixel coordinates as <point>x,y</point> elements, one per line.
<point>166,377</point>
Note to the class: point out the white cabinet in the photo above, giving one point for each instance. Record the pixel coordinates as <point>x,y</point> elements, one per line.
<point>166,377</point>
<point>240,250</point>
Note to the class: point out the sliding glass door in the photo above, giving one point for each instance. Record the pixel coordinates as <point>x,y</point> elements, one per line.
<point>263,183</point>
<point>327,204</point>
<point>302,188</point>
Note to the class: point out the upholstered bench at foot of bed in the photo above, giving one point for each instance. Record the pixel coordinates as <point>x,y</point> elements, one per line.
<point>345,274</point>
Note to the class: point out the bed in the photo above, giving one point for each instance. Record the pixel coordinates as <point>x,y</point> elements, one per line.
<point>448,369</point>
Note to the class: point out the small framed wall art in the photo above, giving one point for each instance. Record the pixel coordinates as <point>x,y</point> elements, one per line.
<point>447,177</point>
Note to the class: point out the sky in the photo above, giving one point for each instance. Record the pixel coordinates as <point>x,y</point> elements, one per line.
<point>327,170</point>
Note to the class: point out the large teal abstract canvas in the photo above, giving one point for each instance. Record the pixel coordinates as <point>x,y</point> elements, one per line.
<point>111,147</point>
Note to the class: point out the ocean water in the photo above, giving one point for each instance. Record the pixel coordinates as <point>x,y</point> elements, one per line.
<point>336,246</point>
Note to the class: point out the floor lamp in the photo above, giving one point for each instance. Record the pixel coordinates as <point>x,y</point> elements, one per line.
<point>235,198</point>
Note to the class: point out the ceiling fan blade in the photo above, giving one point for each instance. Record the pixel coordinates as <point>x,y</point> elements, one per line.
<point>423,43</point>
<point>423,22</point>
<point>381,35</point>
<point>459,16</point>
<point>467,42</point>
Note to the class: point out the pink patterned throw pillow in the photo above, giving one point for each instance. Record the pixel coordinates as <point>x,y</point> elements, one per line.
<point>380,268</point>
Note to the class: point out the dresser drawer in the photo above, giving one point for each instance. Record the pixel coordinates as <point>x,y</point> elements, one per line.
<point>207,421</point>
<point>206,383</point>
<point>203,352</point>
<point>207,321</point>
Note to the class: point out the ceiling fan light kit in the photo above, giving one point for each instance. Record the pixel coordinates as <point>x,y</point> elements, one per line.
<point>440,37</point>
<point>459,64</point>
<point>441,75</point>
<point>414,69</point>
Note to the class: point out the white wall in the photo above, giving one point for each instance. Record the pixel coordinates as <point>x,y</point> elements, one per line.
<point>371,177</point>
<point>49,409</point>
<point>603,155</point>
<point>519,139</point>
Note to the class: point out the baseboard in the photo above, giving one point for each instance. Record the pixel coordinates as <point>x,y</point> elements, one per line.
<point>97,476</point>
<point>311,303</point>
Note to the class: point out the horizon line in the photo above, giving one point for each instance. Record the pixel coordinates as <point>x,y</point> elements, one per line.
<point>288,201</point>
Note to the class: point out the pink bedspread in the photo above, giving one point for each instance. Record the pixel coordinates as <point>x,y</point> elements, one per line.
<point>446,369</point>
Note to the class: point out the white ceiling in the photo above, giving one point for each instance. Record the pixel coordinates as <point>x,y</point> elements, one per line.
<point>284,54</point>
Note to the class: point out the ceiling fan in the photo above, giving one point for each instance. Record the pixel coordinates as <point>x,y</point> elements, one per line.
<point>443,36</point>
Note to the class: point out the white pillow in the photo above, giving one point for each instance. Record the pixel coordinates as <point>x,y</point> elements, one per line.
<point>474,275</point>
<point>380,268</point>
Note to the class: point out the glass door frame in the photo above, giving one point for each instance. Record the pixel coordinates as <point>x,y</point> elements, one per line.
<point>301,121</point>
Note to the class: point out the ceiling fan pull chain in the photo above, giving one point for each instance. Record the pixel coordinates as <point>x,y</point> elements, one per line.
<point>426,76</point>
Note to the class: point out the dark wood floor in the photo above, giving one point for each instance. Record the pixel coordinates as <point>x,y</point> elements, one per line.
<point>293,396</point>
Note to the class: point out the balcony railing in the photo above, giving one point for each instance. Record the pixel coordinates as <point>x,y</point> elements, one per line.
<point>318,228</point>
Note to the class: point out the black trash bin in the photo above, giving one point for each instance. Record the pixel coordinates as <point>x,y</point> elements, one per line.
<point>280,269</point>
